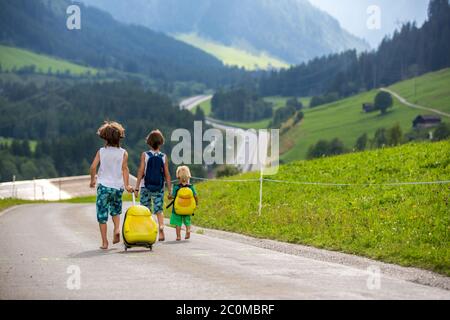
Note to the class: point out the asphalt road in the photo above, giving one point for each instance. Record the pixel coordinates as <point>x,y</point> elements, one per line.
<point>192,102</point>
<point>40,244</point>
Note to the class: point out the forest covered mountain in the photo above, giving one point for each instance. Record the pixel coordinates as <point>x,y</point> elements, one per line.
<point>409,52</point>
<point>291,30</point>
<point>104,42</point>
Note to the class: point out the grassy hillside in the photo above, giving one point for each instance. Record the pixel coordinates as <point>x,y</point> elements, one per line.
<point>206,107</point>
<point>407,225</point>
<point>431,90</point>
<point>17,58</point>
<point>232,56</point>
<point>345,120</point>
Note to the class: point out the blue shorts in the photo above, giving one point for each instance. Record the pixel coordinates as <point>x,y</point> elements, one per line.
<point>157,198</point>
<point>109,202</point>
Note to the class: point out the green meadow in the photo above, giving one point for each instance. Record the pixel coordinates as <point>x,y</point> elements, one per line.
<point>430,90</point>
<point>407,225</point>
<point>18,58</point>
<point>232,56</point>
<point>345,119</point>
<point>8,141</point>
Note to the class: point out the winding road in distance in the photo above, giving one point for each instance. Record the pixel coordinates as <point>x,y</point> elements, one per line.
<point>245,149</point>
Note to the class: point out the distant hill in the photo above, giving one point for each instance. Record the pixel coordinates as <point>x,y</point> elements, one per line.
<point>233,56</point>
<point>291,30</point>
<point>103,42</point>
<point>411,51</point>
<point>345,120</point>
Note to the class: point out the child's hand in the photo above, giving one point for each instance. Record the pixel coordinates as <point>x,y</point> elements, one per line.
<point>130,189</point>
<point>170,197</point>
<point>92,184</point>
<point>136,193</point>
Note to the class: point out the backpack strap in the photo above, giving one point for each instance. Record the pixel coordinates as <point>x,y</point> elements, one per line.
<point>174,198</point>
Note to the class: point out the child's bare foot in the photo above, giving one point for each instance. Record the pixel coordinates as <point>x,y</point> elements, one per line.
<point>116,238</point>
<point>179,239</point>
<point>161,235</point>
<point>188,235</point>
<point>105,246</point>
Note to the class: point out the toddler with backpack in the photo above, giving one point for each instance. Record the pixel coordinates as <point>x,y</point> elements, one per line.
<point>185,200</point>
<point>152,176</point>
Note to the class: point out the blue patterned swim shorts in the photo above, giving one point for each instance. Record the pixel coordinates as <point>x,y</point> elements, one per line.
<point>109,202</point>
<point>157,198</point>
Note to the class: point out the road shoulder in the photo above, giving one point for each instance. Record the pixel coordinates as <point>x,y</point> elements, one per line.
<point>415,275</point>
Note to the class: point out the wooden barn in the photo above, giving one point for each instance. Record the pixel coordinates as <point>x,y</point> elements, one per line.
<point>427,121</point>
<point>368,107</point>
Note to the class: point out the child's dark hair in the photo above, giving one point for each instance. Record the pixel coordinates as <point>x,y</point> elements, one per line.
<point>155,139</point>
<point>112,132</point>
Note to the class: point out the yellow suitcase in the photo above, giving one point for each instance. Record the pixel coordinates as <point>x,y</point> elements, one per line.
<point>139,229</point>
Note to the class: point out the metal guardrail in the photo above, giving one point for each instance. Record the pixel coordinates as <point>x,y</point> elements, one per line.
<point>54,189</point>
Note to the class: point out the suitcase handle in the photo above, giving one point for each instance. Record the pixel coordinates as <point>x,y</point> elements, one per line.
<point>134,199</point>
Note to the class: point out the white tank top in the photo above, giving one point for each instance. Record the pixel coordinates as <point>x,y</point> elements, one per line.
<point>110,172</point>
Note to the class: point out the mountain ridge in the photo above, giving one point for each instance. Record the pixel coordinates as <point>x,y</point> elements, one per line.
<point>292,30</point>
<point>102,42</point>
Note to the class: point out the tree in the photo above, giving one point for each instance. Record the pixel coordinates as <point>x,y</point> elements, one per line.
<point>442,132</point>
<point>380,140</point>
<point>320,149</point>
<point>295,103</point>
<point>325,148</point>
<point>227,171</point>
<point>316,101</point>
<point>336,147</point>
<point>299,117</point>
<point>282,115</point>
<point>383,101</point>
<point>241,105</point>
<point>199,114</point>
<point>26,149</point>
<point>8,169</point>
<point>29,170</point>
<point>361,142</point>
<point>395,135</point>
<point>16,148</point>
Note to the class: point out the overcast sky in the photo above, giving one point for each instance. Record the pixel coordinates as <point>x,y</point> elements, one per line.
<point>352,14</point>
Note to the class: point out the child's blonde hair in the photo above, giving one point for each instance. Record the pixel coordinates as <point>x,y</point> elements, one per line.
<point>183,174</point>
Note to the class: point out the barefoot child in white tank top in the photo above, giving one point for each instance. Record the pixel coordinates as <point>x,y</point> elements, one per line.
<point>113,177</point>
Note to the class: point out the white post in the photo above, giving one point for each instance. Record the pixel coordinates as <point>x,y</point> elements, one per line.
<point>34,188</point>
<point>13,187</point>
<point>261,178</point>
<point>59,189</point>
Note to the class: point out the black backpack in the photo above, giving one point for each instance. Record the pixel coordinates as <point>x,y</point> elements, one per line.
<point>154,174</point>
